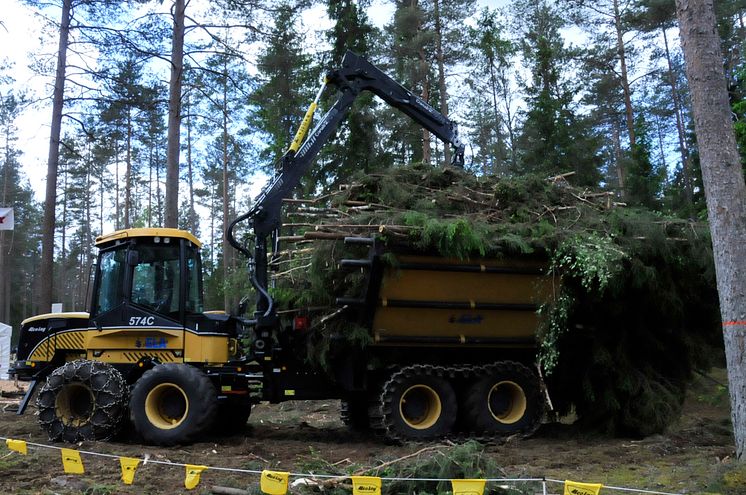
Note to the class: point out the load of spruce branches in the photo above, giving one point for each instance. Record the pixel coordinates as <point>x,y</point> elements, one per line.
<point>636,313</point>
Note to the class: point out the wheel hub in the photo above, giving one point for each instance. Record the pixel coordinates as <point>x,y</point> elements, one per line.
<point>507,402</point>
<point>74,404</point>
<point>420,407</point>
<point>166,406</point>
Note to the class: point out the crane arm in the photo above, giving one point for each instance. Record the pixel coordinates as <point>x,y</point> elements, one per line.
<point>355,75</point>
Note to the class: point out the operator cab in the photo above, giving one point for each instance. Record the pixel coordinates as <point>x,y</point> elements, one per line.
<point>152,277</point>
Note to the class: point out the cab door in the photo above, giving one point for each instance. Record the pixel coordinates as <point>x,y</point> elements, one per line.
<point>138,309</point>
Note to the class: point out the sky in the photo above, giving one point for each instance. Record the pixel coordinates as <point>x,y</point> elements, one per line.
<point>22,39</point>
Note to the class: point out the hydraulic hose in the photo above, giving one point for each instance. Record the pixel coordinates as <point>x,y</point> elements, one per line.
<point>251,259</point>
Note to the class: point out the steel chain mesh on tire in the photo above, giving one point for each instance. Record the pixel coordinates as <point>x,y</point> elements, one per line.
<point>108,390</point>
<point>524,375</point>
<point>380,407</point>
<point>381,411</point>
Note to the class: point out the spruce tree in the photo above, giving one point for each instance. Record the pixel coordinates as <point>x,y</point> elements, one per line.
<point>492,112</point>
<point>554,139</point>
<point>354,147</point>
<point>644,178</point>
<point>410,40</point>
<point>286,85</point>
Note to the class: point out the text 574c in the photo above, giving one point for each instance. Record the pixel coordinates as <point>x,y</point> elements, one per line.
<point>142,320</point>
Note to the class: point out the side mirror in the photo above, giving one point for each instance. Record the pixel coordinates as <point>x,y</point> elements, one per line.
<point>133,258</point>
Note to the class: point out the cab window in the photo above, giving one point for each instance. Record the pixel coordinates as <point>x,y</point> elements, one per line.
<point>155,278</point>
<point>110,293</point>
<point>194,301</point>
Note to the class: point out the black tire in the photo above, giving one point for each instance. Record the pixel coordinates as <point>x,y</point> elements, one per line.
<point>173,404</point>
<point>353,412</point>
<point>417,403</point>
<point>505,400</point>
<point>82,400</point>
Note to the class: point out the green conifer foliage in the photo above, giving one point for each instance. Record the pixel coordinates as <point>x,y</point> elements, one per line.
<point>286,85</point>
<point>644,179</point>
<point>634,311</point>
<point>354,147</point>
<point>490,109</point>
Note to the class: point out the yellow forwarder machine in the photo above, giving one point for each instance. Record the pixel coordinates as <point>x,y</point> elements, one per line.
<point>451,340</point>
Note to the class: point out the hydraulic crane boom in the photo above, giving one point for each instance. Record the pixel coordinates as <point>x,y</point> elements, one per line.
<point>355,76</point>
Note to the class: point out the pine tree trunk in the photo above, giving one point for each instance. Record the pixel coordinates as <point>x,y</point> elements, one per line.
<point>128,174</point>
<point>213,193</point>
<point>620,170</point>
<point>158,195</point>
<point>101,186</point>
<point>190,173</point>
<point>441,73</point>
<point>46,268</point>
<point>116,185</point>
<point>63,254</point>
<point>88,244</point>
<point>150,188</point>
<point>509,123</point>
<point>498,160</point>
<point>227,250</point>
<point>174,116</point>
<point>425,95</point>
<point>725,190</point>
<point>628,113</point>
<point>686,167</point>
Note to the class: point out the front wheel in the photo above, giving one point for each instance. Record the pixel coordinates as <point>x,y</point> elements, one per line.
<point>173,404</point>
<point>82,400</point>
<point>506,400</point>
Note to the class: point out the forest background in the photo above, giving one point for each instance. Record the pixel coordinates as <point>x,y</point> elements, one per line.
<point>594,88</point>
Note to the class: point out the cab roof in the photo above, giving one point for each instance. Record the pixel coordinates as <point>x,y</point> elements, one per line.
<point>147,232</point>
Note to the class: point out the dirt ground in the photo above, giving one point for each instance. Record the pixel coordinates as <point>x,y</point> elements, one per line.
<point>696,455</point>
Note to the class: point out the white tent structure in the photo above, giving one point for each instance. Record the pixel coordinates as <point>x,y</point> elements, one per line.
<point>5,331</point>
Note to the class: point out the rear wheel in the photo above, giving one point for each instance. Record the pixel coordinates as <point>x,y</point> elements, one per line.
<point>417,403</point>
<point>173,404</point>
<point>82,400</point>
<point>504,400</point>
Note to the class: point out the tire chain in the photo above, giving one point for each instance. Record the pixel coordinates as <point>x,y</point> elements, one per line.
<point>110,394</point>
<point>380,406</point>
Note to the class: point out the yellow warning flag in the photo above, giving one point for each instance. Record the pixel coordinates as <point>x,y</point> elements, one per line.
<point>366,485</point>
<point>129,466</point>
<point>17,445</point>
<point>274,482</point>
<point>72,462</point>
<point>192,475</point>
<point>468,487</point>
<point>577,488</point>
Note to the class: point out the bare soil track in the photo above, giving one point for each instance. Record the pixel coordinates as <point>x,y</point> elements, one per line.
<point>695,456</point>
